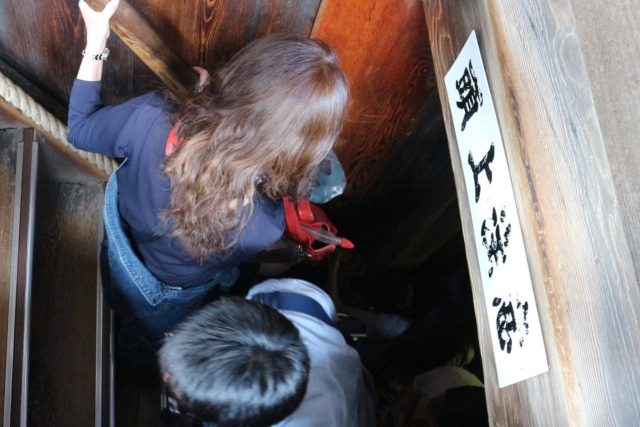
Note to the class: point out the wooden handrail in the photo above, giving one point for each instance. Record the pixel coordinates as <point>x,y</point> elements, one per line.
<point>137,33</point>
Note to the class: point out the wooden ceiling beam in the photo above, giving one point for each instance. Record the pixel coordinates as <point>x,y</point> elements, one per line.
<point>137,33</point>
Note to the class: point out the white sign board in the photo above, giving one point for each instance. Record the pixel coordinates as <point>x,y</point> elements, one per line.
<point>515,327</point>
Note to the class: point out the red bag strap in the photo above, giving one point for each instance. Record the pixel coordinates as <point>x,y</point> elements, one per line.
<point>304,210</point>
<point>172,141</point>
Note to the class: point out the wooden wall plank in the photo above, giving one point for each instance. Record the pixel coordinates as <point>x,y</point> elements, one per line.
<point>58,166</point>
<point>411,209</point>
<point>43,42</point>
<point>609,38</point>
<point>384,51</point>
<point>581,267</point>
<point>149,46</point>
<point>211,31</point>
<point>62,365</point>
<point>8,170</point>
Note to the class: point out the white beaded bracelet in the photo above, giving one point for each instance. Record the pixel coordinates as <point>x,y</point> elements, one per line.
<point>97,56</point>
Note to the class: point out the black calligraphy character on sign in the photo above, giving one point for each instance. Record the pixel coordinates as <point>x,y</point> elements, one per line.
<point>483,166</point>
<point>508,326</point>
<point>495,240</point>
<point>525,311</point>
<point>470,96</point>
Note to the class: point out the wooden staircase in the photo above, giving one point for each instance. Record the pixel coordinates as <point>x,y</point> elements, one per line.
<point>54,328</point>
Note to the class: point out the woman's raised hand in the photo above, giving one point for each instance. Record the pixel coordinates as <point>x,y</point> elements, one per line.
<point>97,24</point>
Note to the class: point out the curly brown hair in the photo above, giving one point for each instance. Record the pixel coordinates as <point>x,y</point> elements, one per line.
<point>269,116</point>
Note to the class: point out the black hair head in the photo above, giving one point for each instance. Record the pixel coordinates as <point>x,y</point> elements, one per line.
<point>236,362</point>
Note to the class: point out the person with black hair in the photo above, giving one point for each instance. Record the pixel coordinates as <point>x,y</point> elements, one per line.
<point>273,359</point>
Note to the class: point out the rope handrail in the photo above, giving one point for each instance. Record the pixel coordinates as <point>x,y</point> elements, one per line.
<point>47,122</point>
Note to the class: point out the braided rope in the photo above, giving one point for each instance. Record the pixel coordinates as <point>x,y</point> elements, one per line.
<point>35,112</point>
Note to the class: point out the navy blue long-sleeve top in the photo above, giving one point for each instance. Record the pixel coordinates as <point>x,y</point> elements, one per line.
<point>137,130</point>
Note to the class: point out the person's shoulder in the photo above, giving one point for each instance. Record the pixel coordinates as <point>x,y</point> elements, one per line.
<point>269,210</point>
<point>267,204</point>
<point>267,220</point>
<point>154,100</point>
<point>151,108</point>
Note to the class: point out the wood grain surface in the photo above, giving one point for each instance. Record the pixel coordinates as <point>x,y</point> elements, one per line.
<point>209,32</point>
<point>610,37</point>
<point>411,208</point>
<point>581,266</point>
<point>382,45</point>
<point>63,345</point>
<point>150,46</point>
<point>384,51</point>
<point>43,42</point>
<point>8,164</point>
<point>58,166</point>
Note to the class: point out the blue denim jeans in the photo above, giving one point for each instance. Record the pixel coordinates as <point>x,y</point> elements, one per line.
<point>133,291</point>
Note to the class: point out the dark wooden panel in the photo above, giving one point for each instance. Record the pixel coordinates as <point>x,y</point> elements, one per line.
<point>411,209</point>
<point>137,398</point>
<point>41,96</point>
<point>206,32</point>
<point>8,170</point>
<point>63,345</point>
<point>43,42</point>
<point>384,50</point>
<point>57,166</point>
